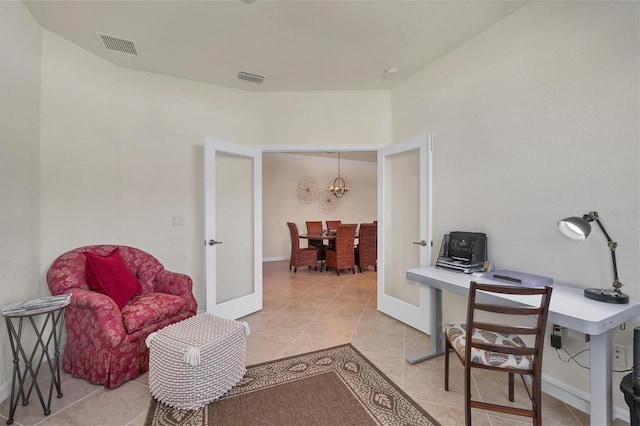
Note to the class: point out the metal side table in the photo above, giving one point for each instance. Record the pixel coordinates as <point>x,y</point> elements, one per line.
<point>49,330</point>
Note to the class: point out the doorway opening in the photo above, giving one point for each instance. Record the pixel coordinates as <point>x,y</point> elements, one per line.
<point>288,170</point>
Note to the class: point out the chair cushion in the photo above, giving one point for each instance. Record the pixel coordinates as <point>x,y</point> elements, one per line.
<point>151,308</point>
<point>110,275</point>
<point>456,335</point>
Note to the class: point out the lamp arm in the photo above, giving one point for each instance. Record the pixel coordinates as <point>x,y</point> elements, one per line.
<point>593,216</point>
<point>615,267</point>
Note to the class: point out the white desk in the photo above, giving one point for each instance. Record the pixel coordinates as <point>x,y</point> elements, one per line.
<point>569,308</point>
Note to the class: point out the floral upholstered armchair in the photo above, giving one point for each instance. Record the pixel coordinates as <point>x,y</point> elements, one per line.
<point>119,296</point>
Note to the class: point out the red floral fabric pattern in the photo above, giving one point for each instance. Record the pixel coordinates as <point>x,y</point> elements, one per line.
<point>150,308</point>
<point>99,346</point>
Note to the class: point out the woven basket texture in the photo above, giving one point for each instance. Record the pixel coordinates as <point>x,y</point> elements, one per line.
<point>220,348</point>
<point>366,254</point>
<point>343,255</point>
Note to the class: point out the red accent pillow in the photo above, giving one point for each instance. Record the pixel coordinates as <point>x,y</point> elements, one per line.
<point>111,276</point>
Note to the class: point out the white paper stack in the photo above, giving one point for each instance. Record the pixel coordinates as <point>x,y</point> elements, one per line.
<point>37,303</point>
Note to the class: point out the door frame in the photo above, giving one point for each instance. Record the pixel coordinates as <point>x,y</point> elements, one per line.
<point>288,149</point>
<point>251,302</point>
<point>419,317</point>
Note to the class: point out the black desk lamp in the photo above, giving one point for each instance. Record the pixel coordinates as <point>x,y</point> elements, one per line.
<point>578,228</point>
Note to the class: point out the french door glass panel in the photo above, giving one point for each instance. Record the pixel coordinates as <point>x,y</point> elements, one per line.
<point>402,219</point>
<point>234,226</point>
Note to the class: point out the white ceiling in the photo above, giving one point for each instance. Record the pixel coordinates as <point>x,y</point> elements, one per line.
<point>295,45</point>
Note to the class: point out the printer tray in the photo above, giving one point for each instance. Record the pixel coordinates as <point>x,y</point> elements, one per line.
<point>460,265</point>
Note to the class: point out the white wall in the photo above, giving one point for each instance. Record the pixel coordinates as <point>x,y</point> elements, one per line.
<point>326,118</point>
<point>280,204</point>
<point>19,170</point>
<point>534,120</point>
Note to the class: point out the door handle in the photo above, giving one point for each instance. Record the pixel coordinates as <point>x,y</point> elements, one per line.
<point>214,242</point>
<point>421,242</point>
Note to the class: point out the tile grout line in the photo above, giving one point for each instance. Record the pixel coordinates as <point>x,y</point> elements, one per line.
<point>361,315</point>
<point>90,394</point>
<point>295,339</point>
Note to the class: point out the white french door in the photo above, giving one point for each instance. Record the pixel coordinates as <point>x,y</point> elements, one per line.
<point>233,228</point>
<point>404,229</point>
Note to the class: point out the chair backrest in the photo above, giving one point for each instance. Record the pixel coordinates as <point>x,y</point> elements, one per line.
<point>504,320</point>
<point>67,271</point>
<point>314,228</point>
<point>332,225</point>
<point>295,237</point>
<point>368,234</point>
<point>345,235</point>
<point>367,238</point>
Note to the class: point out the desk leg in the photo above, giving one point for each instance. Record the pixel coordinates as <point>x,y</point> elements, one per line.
<point>437,337</point>
<point>600,379</point>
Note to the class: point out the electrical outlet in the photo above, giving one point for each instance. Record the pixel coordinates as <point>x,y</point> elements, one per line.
<point>619,356</point>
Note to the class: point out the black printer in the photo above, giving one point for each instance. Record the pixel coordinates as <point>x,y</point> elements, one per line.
<point>463,251</point>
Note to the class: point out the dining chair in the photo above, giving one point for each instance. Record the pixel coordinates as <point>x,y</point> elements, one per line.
<point>315,228</point>
<point>307,256</point>
<point>366,251</point>
<point>332,227</point>
<point>497,343</point>
<point>342,255</point>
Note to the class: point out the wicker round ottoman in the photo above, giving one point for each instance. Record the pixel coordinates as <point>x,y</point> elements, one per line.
<point>196,361</point>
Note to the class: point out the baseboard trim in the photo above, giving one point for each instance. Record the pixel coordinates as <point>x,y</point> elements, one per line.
<point>274,259</point>
<point>576,397</point>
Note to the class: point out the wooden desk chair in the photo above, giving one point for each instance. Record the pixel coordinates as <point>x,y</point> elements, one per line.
<point>497,344</point>
<point>301,256</point>
<point>315,228</point>
<point>367,249</point>
<point>342,255</point>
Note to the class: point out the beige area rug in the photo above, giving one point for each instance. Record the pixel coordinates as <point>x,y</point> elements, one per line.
<point>335,386</point>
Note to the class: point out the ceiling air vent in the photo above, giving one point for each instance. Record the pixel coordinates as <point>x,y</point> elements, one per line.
<point>250,77</point>
<point>118,45</point>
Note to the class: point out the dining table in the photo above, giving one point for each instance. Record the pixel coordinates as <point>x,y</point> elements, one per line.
<point>324,236</point>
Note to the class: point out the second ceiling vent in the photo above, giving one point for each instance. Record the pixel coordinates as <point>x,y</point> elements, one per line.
<point>254,78</point>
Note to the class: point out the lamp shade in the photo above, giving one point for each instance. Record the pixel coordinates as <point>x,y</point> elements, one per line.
<point>575,228</point>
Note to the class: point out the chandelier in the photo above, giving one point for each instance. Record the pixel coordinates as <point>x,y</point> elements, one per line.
<point>339,187</point>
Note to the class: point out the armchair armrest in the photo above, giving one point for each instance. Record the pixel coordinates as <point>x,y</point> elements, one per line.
<point>177,284</point>
<point>89,307</point>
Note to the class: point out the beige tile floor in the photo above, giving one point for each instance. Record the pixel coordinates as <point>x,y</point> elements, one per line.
<point>302,312</point>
